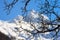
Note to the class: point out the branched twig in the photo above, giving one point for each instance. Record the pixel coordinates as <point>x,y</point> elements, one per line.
<point>26,5</point>
<point>8,7</point>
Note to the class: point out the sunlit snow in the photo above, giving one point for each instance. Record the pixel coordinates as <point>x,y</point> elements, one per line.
<point>17,28</point>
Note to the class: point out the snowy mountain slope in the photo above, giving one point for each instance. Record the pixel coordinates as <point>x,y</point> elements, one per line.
<point>6,28</point>
<point>9,30</point>
<point>20,27</point>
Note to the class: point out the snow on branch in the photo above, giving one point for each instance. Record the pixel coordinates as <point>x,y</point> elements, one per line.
<point>25,28</point>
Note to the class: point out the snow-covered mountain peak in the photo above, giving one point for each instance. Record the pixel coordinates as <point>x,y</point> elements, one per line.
<point>21,25</point>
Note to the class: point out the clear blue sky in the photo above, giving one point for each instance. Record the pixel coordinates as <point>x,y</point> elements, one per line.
<point>14,12</point>
<point>17,9</point>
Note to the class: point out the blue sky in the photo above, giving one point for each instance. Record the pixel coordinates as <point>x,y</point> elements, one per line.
<point>14,12</point>
<point>3,14</point>
<point>17,9</point>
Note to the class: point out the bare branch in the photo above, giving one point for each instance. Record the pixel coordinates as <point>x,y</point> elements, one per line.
<point>8,7</point>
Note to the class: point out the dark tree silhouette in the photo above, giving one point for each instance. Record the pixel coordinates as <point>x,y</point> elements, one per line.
<point>4,37</point>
